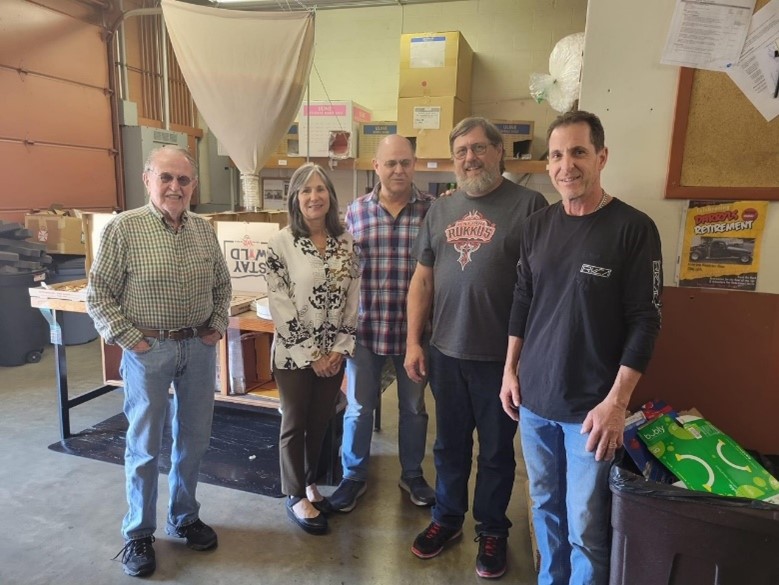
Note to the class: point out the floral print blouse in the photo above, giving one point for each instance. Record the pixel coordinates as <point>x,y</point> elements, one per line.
<point>313,299</point>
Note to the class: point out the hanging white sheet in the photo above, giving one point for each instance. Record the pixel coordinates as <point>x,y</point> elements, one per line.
<point>247,72</point>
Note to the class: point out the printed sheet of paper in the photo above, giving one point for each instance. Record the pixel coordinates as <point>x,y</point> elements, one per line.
<point>721,243</point>
<point>707,35</point>
<point>757,71</point>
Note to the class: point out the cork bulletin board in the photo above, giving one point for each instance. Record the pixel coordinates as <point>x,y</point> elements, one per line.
<point>722,147</point>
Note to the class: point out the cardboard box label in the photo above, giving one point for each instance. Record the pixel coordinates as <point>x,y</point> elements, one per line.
<point>523,129</point>
<point>379,129</point>
<point>427,52</point>
<point>427,117</point>
<point>325,110</point>
<point>371,134</point>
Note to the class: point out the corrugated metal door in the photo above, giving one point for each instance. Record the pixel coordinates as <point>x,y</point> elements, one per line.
<point>56,141</point>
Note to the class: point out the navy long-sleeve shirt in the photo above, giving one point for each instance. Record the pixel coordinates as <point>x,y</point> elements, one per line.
<point>587,301</point>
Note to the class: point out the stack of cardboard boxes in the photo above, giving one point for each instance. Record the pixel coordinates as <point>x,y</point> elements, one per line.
<point>434,93</point>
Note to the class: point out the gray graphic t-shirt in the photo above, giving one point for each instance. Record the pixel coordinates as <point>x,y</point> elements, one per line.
<point>472,243</point>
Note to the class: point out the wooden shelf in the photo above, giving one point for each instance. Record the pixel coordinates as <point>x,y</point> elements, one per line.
<point>442,165</point>
<point>249,321</point>
<point>294,162</point>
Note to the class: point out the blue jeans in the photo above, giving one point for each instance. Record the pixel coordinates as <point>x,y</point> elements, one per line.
<point>571,525</point>
<point>363,391</point>
<point>190,365</point>
<point>466,397</point>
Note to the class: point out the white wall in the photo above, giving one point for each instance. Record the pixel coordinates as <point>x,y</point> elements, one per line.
<point>634,95</point>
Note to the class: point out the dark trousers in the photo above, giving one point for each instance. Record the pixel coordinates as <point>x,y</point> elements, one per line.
<point>307,406</point>
<point>467,397</point>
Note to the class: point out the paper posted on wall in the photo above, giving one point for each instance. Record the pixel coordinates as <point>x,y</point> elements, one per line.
<point>708,35</point>
<point>720,246</point>
<point>757,71</point>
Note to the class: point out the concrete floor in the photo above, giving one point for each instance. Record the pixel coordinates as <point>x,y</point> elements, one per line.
<point>61,514</point>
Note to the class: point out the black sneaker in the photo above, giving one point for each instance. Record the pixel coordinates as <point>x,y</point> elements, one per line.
<point>344,498</point>
<point>432,540</point>
<point>138,557</point>
<point>491,560</point>
<point>419,491</point>
<point>199,535</point>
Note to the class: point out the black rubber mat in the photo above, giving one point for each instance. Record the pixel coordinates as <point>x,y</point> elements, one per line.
<point>243,454</point>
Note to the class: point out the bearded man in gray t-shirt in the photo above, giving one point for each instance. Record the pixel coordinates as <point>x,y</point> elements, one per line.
<point>467,251</point>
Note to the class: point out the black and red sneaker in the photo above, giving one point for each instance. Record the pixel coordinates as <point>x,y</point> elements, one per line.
<point>432,540</point>
<point>491,560</point>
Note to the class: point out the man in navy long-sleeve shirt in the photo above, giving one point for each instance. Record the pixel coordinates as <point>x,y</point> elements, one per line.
<point>584,319</point>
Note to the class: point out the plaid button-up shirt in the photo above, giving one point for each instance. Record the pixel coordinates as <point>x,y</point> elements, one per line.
<point>147,275</point>
<point>387,265</point>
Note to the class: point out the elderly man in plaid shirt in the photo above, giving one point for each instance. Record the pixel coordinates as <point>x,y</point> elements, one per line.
<point>384,224</point>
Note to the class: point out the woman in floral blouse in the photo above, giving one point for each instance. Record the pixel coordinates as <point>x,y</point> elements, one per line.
<point>313,293</point>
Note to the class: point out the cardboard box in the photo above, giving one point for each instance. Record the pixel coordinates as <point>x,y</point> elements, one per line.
<point>646,463</point>
<point>276,216</point>
<point>436,65</point>
<point>289,145</point>
<point>706,459</point>
<point>245,248</point>
<point>517,137</point>
<point>60,230</point>
<point>371,134</point>
<point>330,128</point>
<point>74,290</point>
<point>430,120</point>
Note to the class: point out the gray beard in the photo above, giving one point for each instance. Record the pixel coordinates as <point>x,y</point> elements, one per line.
<point>479,184</point>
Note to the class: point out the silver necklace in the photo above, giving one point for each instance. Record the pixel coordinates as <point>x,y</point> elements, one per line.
<point>603,201</point>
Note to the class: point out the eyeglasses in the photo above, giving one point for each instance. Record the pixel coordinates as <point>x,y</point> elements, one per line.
<point>478,149</point>
<point>391,164</point>
<point>182,180</point>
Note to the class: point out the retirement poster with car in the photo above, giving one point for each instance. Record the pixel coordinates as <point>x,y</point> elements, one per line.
<point>721,244</point>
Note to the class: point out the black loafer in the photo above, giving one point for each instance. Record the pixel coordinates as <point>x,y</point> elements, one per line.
<point>316,525</point>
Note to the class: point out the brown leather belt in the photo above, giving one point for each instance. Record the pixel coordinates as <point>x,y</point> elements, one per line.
<point>177,334</point>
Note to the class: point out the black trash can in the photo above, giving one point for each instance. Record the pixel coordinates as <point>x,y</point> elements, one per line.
<point>24,332</point>
<point>665,535</point>
<point>77,328</point>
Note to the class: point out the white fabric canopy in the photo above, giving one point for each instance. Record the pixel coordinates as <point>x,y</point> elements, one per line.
<point>246,72</point>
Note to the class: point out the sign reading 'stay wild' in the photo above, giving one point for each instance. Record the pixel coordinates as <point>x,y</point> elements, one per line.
<point>245,248</point>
